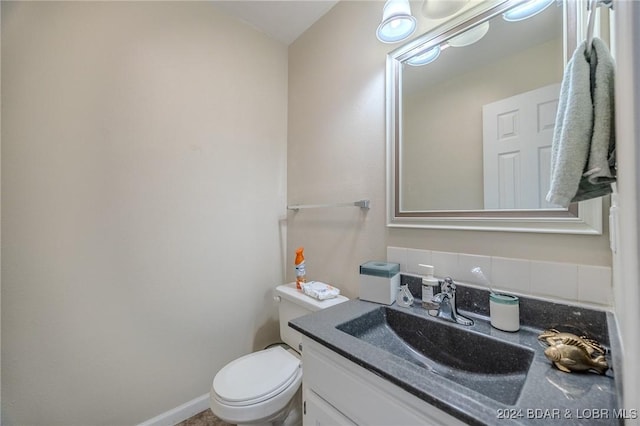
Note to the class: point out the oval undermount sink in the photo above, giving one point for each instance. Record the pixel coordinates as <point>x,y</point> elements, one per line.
<point>484,364</point>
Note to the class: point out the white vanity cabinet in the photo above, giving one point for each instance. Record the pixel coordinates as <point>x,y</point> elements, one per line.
<point>337,391</point>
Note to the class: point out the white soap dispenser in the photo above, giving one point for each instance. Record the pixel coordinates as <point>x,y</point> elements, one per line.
<point>429,286</point>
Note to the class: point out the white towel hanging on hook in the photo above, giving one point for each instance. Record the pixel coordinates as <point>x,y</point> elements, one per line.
<point>583,149</point>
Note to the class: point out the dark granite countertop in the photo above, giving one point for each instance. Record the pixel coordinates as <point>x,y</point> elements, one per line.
<point>548,396</point>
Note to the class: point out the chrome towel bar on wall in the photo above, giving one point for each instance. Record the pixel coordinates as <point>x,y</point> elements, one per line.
<point>363,204</point>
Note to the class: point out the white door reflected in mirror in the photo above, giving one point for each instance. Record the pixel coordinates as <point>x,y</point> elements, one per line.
<point>517,137</point>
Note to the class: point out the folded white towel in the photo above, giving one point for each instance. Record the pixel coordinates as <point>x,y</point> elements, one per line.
<point>583,150</point>
<point>319,290</point>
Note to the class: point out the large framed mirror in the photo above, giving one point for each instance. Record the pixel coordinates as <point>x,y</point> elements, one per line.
<point>469,132</point>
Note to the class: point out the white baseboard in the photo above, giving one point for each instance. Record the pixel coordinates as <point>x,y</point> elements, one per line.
<point>178,414</point>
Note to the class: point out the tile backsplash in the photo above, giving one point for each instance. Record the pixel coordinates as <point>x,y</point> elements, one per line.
<point>585,284</point>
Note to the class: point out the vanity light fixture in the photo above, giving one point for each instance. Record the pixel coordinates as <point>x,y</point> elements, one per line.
<point>470,36</point>
<point>526,10</point>
<point>465,39</point>
<point>397,22</point>
<point>425,57</point>
<point>439,9</point>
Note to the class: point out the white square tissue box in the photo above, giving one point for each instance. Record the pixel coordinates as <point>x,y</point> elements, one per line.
<point>379,282</point>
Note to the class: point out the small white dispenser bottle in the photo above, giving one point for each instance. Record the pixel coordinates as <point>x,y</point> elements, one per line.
<point>504,311</point>
<point>429,286</point>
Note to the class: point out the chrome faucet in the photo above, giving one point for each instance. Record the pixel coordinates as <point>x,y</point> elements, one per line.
<point>446,301</point>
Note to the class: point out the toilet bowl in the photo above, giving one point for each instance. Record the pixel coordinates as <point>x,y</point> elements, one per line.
<point>258,388</point>
<point>264,387</point>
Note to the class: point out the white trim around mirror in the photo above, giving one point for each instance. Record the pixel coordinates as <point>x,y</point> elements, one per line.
<point>586,219</point>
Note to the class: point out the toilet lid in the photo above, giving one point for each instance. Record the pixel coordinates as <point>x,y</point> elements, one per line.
<point>256,377</point>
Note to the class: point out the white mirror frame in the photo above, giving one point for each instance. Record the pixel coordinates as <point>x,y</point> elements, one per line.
<point>585,218</point>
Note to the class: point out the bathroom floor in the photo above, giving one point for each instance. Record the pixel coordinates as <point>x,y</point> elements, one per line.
<point>206,418</point>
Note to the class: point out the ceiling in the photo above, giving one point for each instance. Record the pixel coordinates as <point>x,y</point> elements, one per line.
<point>281,20</point>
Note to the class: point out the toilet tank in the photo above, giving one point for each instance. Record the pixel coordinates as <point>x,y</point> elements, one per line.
<point>293,303</point>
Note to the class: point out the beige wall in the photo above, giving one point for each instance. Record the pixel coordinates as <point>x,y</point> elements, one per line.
<point>143,180</point>
<point>337,152</point>
<point>336,143</point>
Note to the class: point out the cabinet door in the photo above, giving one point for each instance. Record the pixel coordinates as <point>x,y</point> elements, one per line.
<point>360,397</point>
<point>318,412</point>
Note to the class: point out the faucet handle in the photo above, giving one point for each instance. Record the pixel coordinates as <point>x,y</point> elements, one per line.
<point>447,285</point>
<point>439,298</point>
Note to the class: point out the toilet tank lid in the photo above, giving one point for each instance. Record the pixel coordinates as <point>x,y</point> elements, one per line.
<point>291,293</point>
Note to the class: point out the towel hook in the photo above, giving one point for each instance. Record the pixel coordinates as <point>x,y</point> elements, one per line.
<point>591,20</point>
<point>590,24</point>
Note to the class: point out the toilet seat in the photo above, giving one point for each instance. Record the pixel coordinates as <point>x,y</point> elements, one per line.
<point>256,377</point>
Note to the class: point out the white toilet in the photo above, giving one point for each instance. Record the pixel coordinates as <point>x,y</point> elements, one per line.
<point>264,387</point>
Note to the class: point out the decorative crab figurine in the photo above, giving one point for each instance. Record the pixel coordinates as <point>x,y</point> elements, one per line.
<point>569,352</point>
